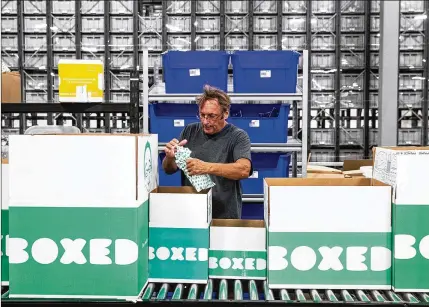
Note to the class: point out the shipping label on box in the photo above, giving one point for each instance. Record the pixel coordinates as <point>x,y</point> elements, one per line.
<point>406,170</point>
<point>80,80</point>
<point>179,235</point>
<point>79,215</point>
<point>4,222</point>
<point>237,249</point>
<point>386,163</point>
<point>328,233</point>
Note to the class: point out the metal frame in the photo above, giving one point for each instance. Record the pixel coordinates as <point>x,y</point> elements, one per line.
<point>157,93</point>
<point>198,303</point>
<point>425,106</point>
<point>162,294</point>
<point>367,57</point>
<point>389,62</point>
<point>369,116</point>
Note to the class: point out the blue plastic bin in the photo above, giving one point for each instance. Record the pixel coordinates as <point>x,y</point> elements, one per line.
<point>265,123</point>
<point>186,72</point>
<point>169,119</point>
<point>266,165</point>
<point>165,180</point>
<point>252,211</point>
<point>265,71</point>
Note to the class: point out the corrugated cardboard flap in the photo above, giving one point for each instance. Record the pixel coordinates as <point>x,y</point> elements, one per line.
<point>272,182</point>
<point>179,190</point>
<point>238,223</point>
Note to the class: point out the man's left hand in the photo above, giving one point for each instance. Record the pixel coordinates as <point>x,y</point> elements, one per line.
<point>197,167</point>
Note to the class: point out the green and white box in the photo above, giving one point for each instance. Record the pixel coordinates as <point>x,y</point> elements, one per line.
<point>4,222</point>
<point>406,170</point>
<point>79,214</point>
<point>238,249</point>
<point>328,233</point>
<point>179,227</point>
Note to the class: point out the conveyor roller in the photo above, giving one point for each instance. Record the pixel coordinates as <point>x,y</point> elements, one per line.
<point>256,291</point>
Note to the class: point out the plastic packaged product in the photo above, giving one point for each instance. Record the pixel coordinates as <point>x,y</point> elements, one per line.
<point>199,182</point>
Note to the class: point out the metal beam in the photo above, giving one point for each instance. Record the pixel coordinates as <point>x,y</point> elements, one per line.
<point>426,80</point>
<point>50,56</point>
<point>389,69</point>
<point>20,11</point>
<point>367,85</point>
<point>107,76</point>
<point>78,44</point>
<point>337,110</point>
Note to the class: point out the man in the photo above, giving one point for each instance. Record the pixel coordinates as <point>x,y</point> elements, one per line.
<point>219,149</point>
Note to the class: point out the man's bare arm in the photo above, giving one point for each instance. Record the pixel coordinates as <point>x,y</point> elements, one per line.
<point>234,171</point>
<point>169,165</point>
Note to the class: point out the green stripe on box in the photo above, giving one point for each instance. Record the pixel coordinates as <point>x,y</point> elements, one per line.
<point>78,251</point>
<point>411,245</point>
<point>249,264</point>
<point>4,251</point>
<point>178,253</point>
<point>329,258</point>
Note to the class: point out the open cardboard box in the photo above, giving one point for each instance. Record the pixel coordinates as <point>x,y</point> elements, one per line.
<point>351,169</point>
<point>179,239</point>
<point>406,170</point>
<point>328,233</point>
<point>11,87</point>
<point>237,249</point>
<point>92,188</point>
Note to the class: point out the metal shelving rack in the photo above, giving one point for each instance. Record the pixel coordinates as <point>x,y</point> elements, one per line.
<point>46,31</point>
<point>413,74</point>
<point>116,32</point>
<point>157,94</point>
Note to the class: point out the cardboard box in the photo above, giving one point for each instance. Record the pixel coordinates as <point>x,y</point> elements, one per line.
<point>351,169</point>
<point>4,222</point>
<point>328,233</point>
<point>81,80</point>
<point>238,249</point>
<point>179,239</point>
<point>11,87</point>
<point>79,214</point>
<point>406,170</point>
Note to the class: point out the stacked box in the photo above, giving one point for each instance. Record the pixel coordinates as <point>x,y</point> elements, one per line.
<point>79,214</point>
<point>328,233</point>
<point>238,249</point>
<point>406,169</point>
<point>81,80</point>
<point>4,222</point>
<point>179,239</point>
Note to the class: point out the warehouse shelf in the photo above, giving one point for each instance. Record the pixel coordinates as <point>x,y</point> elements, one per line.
<point>285,148</point>
<point>157,94</point>
<point>318,26</point>
<point>65,107</point>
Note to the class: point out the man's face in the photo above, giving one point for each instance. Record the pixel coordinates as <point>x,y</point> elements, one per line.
<point>212,117</point>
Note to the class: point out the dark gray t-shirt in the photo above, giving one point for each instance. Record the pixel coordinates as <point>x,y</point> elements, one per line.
<point>227,146</point>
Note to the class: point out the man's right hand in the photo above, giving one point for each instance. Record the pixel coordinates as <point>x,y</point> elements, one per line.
<point>170,149</point>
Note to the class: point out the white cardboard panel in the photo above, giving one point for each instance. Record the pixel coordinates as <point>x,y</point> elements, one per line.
<point>4,186</point>
<point>411,180</point>
<point>238,238</point>
<point>330,209</point>
<point>147,169</point>
<point>178,210</point>
<point>72,171</point>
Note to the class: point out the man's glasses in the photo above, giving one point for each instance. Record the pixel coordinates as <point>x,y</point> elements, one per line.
<point>209,117</point>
